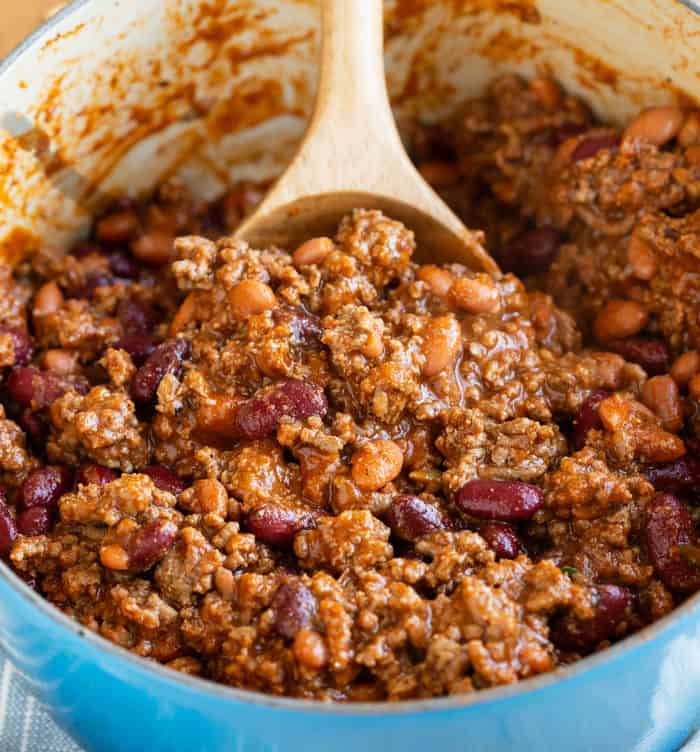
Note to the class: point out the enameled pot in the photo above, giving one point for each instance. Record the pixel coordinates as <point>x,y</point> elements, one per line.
<point>114,95</point>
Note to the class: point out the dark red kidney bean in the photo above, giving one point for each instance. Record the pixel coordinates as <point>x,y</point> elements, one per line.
<point>166,358</point>
<point>668,526</point>
<point>44,487</point>
<point>165,479</point>
<point>123,265</point>
<point>581,636</point>
<point>680,475</point>
<point>97,475</point>
<point>565,131</point>
<point>306,328</point>
<point>34,426</point>
<point>136,316</point>
<point>259,417</point>
<point>651,354</point>
<point>82,250</point>
<point>91,283</point>
<point>588,416</point>
<point>29,580</point>
<point>150,544</point>
<point>8,527</point>
<point>277,526</point>
<point>294,607</point>
<point>532,251</point>
<point>501,539</point>
<point>409,517</point>
<point>433,142</point>
<point>31,387</point>
<point>139,346</point>
<point>35,520</point>
<point>590,146</point>
<point>21,343</point>
<point>504,500</point>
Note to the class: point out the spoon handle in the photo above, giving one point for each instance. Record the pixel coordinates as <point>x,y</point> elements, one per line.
<point>352,84</point>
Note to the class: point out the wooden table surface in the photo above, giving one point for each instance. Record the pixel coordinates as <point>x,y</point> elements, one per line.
<point>19,17</point>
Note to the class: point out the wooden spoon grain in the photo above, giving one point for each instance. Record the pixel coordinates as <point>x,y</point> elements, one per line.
<point>352,155</point>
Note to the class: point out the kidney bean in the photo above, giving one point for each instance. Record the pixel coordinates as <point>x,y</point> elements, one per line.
<point>531,252</point>
<point>31,387</point>
<point>21,343</point>
<point>166,358</point>
<point>277,526</point>
<point>668,526</point>
<point>570,633</point>
<point>504,500</point>
<point>44,487</point>
<point>35,520</point>
<point>433,142</point>
<point>136,316</point>
<point>150,544</point>
<point>139,346</point>
<point>91,474</point>
<point>409,517</point>
<point>259,417</point>
<point>588,417</point>
<point>82,250</point>
<point>165,479</point>
<point>651,354</point>
<point>123,265</point>
<point>306,328</point>
<point>294,607</point>
<point>92,281</point>
<point>565,131</point>
<point>591,145</point>
<point>680,475</point>
<point>33,426</point>
<point>502,539</point>
<point>8,527</point>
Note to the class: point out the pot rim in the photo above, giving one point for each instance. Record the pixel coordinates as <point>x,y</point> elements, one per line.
<point>206,687</point>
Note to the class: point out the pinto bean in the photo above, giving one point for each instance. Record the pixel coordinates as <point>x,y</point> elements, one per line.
<point>619,318</point>
<point>685,367</point>
<point>477,294</point>
<point>313,251</point>
<point>642,258</point>
<point>660,395</point>
<point>656,125</point>
<point>442,340</point>
<point>438,280</point>
<point>250,298</point>
<point>375,464</point>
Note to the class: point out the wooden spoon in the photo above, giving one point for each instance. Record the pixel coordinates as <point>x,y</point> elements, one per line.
<point>352,156</point>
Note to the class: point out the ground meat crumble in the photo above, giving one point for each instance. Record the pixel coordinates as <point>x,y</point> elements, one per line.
<point>331,472</point>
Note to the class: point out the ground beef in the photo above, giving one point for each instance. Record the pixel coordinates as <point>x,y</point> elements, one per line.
<point>332,473</point>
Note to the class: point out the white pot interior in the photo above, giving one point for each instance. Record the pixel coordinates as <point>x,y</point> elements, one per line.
<point>115,96</point>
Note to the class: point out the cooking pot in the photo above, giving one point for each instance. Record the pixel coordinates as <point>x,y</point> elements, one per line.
<point>114,96</point>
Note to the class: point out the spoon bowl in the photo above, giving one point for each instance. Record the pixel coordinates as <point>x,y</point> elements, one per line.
<point>352,155</point>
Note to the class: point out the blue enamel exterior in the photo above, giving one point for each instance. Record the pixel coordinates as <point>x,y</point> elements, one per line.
<point>642,695</point>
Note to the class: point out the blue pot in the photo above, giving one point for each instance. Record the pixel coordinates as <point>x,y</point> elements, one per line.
<point>642,695</point>
<point>639,696</point>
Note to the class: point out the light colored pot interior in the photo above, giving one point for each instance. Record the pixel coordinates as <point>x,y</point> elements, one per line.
<point>116,96</point>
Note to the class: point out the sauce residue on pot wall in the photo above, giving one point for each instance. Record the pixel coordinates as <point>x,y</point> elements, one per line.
<point>203,81</point>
